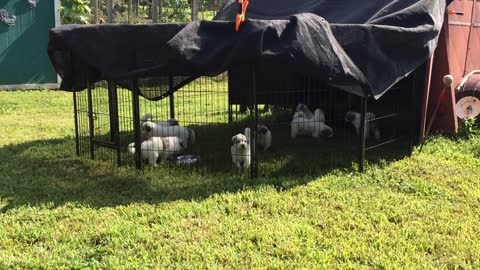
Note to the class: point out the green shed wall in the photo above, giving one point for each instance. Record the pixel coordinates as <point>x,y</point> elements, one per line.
<point>23,47</point>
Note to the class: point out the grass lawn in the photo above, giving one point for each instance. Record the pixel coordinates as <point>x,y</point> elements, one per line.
<point>60,211</point>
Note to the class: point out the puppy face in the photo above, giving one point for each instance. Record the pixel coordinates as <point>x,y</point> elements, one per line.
<point>350,116</point>
<point>262,129</point>
<point>182,146</point>
<point>240,140</point>
<point>301,107</point>
<point>147,129</point>
<point>328,132</point>
<point>299,114</point>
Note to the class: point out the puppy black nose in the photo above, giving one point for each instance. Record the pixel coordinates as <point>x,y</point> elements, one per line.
<point>148,128</point>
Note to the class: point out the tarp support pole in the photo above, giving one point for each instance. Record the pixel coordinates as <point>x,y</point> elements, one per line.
<point>253,128</point>
<point>114,121</point>
<point>75,115</point>
<point>171,97</point>
<point>363,126</point>
<point>230,106</point>
<point>412,112</point>
<point>90,119</point>
<point>136,124</point>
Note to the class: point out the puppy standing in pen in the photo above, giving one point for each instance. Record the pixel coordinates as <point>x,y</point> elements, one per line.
<point>240,150</point>
<point>371,128</point>
<point>158,147</point>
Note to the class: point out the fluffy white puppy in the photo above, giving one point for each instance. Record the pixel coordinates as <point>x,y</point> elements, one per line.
<point>151,129</point>
<point>318,115</point>
<point>240,150</point>
<point>149,118</point>
<point>158,147</point>
<point>314,126</point>
<point>371,128</point>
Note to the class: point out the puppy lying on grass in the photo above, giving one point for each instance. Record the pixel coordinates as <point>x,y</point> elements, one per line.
<point>158,147</point>
<point>314,126</point>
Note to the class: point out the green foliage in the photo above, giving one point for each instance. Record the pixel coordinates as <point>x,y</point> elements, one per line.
<point>58,211</point>
<point>469,128</point>
<point>176,11</point>
<point>75,11</point>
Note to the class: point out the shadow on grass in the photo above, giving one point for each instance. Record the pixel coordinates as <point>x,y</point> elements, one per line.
<point>47,172</point>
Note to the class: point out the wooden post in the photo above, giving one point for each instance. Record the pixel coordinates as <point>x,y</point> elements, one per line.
<point>194,10</point>
<point>154,11</point>
<point>130,4</point>
<point>110,11</point>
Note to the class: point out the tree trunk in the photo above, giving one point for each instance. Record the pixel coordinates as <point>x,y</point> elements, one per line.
<point>129,11</point>
<point>155,11</point>
<point>95,11</point>
<point>110,11</point>
<point>160,10</point>
<point>194,10</point>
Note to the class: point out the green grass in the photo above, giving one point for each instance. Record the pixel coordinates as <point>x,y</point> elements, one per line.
<point>60,211</point>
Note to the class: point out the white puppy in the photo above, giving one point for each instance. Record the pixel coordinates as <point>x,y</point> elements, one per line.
<point>149,118</point>
<point>371,128</point>
<point>158,147</point>
<point>318,115</point>
<point>314,126</point>
<point>151,129</point>
<point>240,150</point>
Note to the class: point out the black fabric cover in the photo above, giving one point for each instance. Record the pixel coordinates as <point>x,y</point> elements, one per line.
<point>363,47</point>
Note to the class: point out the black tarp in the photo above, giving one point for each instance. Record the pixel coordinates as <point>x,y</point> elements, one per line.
<point>363,47</point>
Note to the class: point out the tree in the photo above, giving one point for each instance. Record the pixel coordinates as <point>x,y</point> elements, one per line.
<point>75,11</point>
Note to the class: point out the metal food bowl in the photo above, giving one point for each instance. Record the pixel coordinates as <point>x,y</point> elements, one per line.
<point>188,159</point>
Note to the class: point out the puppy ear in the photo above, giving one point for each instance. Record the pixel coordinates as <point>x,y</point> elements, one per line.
<point>234,139</point>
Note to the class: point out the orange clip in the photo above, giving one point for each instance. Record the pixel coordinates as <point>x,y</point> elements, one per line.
<point>241,16</point>
<point>454,12</point>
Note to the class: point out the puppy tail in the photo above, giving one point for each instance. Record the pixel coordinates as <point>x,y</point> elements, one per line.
<point>319,116</point>
<point>247,134</point>
<point>376,133</point>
